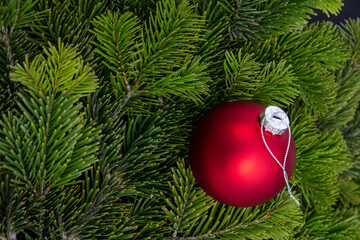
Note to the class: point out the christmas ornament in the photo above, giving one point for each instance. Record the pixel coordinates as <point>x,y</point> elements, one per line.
<point>242,153</point>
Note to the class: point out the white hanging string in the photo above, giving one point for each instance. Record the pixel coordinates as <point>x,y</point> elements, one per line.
<point>286,154</point>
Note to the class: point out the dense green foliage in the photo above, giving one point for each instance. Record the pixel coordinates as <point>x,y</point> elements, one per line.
<point>98,99</point>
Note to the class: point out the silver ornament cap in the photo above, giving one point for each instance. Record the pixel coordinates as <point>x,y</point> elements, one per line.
<point>275,120</point>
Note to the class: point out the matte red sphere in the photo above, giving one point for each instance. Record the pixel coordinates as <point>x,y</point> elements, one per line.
<point>230,161</point>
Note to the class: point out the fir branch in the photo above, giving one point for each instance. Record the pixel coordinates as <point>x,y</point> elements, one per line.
<point>56,146</point>
<point>212,46</point>
<point>350,31</point>
<point>233,88</point>
<point>214,234</point>
<point>351,134</point>
<point>245,81</point>
<point>242,67</point>
<point>118,43</point>
<point>177,226</point>
<point>36,84</point>
<point>95,205</point>
<point>244,19</point>
<point>158,50</point>
<point>99,200</point>
<point>19,169</point>
<point>5,39</point>
<point>346,103</point>
<point>321,156</point>
<point>119,108</point>
<point>313,53</point>
<point>189,81</point>
<point>121,59</point>
<point>16,14</point>
<point>229,223</point>
<point>15,209</point>
<point>143,147</point>
<point>174,42</point>
<point>328,7</point>
<point>62,71</point>
<point>186,200</point>
<point>62,23</point>
<point>341,224</point>
<point>195,216</point>
<point>71,173</point>
<point>10,224</point>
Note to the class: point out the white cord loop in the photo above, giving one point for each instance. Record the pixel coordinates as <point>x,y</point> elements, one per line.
<point>275,123</point>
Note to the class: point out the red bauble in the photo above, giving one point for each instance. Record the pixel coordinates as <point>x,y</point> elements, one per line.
<point>230,161</point>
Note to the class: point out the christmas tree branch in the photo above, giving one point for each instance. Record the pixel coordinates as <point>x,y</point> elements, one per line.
<point>175,41</point>
<point>177,226</point>
<point>82,162</point>
<point>215,234</point>
<point>120,107</point>
<point>9,222</point>
<point>120,57</point>
<point>36,84</point>
<point>5,39</point>
<point>158,50</point>
<point>234,86</point>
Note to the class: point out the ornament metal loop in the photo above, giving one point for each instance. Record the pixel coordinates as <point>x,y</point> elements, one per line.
<point>275,120</point>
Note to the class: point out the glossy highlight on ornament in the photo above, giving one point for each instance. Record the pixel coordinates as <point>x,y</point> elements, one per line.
<point>230,160</point>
